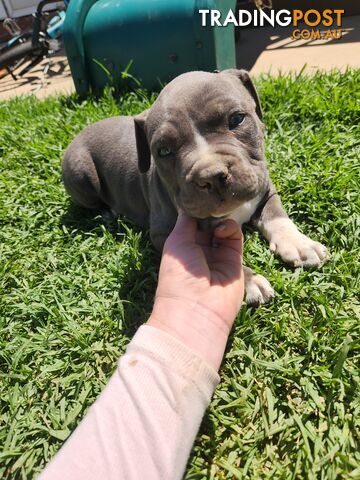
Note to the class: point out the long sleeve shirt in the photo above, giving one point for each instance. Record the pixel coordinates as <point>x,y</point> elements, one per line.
<point>144,423</point>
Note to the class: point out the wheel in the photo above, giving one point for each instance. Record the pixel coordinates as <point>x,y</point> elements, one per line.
<point>13,54</point>
<point>15,41</point>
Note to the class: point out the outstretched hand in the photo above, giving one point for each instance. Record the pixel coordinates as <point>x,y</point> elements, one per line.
<point>201,285</point>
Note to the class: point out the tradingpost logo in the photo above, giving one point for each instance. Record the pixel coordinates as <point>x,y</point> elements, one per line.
<point>315,21</point>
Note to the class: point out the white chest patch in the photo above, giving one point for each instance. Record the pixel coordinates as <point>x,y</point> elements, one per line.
<point>243,213</point>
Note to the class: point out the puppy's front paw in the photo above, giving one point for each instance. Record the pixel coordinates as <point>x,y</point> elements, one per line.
<point>257,290</point>
<point>295,248</point>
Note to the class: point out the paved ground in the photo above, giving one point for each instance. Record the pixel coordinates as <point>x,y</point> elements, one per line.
<point>260,50</point>
<point>51,76</point>
<point>271,50</point>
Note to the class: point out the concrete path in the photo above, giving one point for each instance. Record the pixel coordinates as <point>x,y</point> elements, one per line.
<point>49,77</point>
<point>272,50</point>
<point>260,50</point>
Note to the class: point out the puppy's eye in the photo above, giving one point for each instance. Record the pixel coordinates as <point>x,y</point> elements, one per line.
<point>164,151</point>
<point>236,119</point>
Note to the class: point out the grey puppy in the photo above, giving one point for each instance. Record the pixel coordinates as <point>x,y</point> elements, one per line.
<point>200,148</point>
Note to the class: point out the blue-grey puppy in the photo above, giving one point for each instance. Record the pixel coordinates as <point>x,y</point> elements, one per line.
<point>200,148</point>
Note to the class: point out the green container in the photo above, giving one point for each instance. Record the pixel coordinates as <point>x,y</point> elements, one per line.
<point>159,38</point>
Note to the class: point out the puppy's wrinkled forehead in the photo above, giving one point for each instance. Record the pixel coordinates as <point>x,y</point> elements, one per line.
<point>198,99</point>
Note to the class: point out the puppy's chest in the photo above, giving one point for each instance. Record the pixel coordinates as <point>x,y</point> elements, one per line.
<point>243,213</point>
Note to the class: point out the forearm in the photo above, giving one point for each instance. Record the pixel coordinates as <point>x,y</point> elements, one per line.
<point>144,423</point>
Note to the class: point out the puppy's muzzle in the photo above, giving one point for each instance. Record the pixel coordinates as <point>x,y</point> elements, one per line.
<point>226,178</point>
<point>212,179</point>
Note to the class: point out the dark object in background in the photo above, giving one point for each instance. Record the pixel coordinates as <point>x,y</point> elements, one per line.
<point>31,46</point>
<point>159,39</point>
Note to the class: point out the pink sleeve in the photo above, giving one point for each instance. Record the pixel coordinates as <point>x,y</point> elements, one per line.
<point>144,423</point>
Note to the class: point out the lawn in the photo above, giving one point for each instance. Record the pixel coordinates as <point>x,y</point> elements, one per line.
<point>73,292</point>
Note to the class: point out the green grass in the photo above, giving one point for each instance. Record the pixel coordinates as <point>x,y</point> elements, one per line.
<point>72,293</point>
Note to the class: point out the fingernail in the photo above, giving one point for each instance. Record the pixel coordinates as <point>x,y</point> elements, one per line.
<point>221,227</point>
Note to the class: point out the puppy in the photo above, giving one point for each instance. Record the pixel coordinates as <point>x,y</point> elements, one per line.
<point>200,147</point>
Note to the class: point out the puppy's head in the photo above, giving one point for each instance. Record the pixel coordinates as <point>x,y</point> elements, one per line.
<point>205,134</point>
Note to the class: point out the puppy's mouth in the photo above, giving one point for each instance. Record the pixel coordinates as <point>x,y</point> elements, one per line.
<point>216,191</point>
<point>212,206</point>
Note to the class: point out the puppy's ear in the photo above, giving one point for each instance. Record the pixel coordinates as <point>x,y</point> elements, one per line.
<point>142,145</point>
<point>244,76</point>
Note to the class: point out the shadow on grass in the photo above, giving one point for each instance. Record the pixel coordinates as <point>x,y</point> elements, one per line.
<point>137,281</point>
<point>84,220</point>
<point>79,218</point>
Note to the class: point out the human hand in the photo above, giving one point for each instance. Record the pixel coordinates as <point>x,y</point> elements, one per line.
<point>200,286</point>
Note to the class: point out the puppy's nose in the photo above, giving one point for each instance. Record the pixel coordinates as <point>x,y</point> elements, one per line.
<point>212,180</point>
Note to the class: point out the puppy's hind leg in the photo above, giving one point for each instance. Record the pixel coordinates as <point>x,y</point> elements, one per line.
<point>81,179</point>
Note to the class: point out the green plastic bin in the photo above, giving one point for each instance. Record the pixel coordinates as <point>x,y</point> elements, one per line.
<point>162,39</point>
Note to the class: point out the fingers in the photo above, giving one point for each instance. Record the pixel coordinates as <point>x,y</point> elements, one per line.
<point>228,229</point>
<point>185,227</point>
<point>228,234</point>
